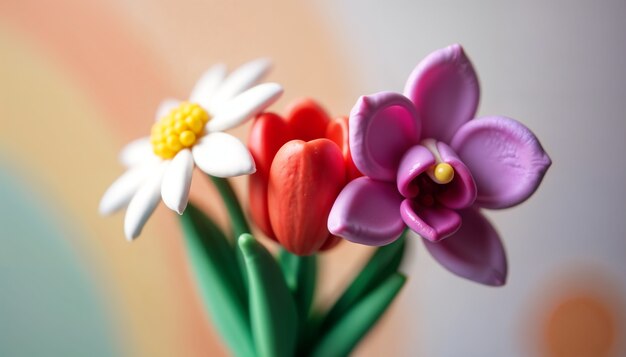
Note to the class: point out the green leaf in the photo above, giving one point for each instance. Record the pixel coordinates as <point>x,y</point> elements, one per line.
<point>301,275</point>
<point>384,262</point>
<point>343,336</point>
<point>218,277</point>
<point>272,310</point>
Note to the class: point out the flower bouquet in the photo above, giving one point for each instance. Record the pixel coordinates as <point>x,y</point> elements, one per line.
<point>401,165</point>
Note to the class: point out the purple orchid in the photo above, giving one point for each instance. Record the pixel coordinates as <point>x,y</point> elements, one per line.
<point>430,167</point>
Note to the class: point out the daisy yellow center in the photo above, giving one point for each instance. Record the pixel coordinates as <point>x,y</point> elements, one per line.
<point>179,129</point>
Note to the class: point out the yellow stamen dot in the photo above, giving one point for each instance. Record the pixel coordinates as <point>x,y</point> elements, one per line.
<point>187,138</point>
<point>444,173</point>
<point>180,126</point>
<point>178,129</point>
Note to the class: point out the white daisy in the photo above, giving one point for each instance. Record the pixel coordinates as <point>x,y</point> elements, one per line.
<point>189,134</point>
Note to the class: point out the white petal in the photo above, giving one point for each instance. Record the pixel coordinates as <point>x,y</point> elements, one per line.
<point>165,107</point>
<point>143,203</point>
<point>207,85</point>
<point>177,180</point>
<point>223,155</point>
<point>238,81</point>
<point>245,106</point>
<point>122,190</point>
<point>137,152</point>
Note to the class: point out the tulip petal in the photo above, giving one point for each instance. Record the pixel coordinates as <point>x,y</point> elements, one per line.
<point>143,204</point>
<point>445,91</point>
<point>431,223</point>
<point>122,190</point>
<point>505,158</point>
<point>238,81</point>
<point>165,107</point>
<point>268,133</point>
<point>137,152</point>
<point>207,85</point>
<point>177,181</point>
<point>367,212</point>
<point>337,131</point>
<point>414,162</point>
<point>474,252</point>
<point>222,155</point>
<point>244,106</point>
<point>307,120</point>
<point>461,191</point>
<point>305,179</point>
<point>383,126</point>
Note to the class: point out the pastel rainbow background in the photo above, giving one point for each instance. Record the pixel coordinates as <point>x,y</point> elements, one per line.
<point>80,78</point>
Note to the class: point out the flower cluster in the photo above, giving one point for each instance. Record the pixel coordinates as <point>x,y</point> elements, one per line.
<point>416,160</point>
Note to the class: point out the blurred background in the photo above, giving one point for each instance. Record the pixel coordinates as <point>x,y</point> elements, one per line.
<point>79,79</point>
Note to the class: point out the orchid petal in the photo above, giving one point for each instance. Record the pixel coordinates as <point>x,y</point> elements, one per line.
<point>238,81</point>
<point>207,85</point>
<point>461,191</point>
<point>122,190</point>
<point>367,212</point>
<point>137,152</point>
<point>244,106</point>
<point>414,162</point>
<point>165,107</point>
<point>431,223</point>
<point>177,181</point>
<point>445,91</point>
<point>383,126</point>
<point>143,204</point>
<point>505,158</point>
<point>474,252</point>
<point>222,155</point>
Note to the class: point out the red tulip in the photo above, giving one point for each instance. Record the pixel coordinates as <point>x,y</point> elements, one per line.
<point>303,161</point>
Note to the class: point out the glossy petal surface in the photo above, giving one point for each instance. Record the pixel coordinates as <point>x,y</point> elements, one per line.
<point>143,204</point>
<point>305,179</point>
<point>383,126</point>
<point>414,162</point>
<point>239,80</point>
<point>244,106</point>
<point>268,134</point>
<point>367,212</point>
<point>307,120</point>
<point>177,181</point>
<point>337,131</point>
<point>461,192</point>
<point>137,152</point>
<point>207,85</point>
<point>222,155</point>
<point>505,158</point>
<point>431,223</point>
<point>445,91</point>
<point>119,194</point>
<point>475,252</point>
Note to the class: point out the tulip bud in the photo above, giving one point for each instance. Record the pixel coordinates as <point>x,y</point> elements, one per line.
<point>305,179</point>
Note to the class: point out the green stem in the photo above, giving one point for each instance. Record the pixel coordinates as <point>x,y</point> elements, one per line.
<point>238,219</point>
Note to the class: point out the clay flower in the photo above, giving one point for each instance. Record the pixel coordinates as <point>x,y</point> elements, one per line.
<point>189,134</point>
<point>303,161</point>
<point>430,167</point>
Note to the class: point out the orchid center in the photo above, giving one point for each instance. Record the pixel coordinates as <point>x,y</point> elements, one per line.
<point>177,130</point>
<point>434,181</point>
